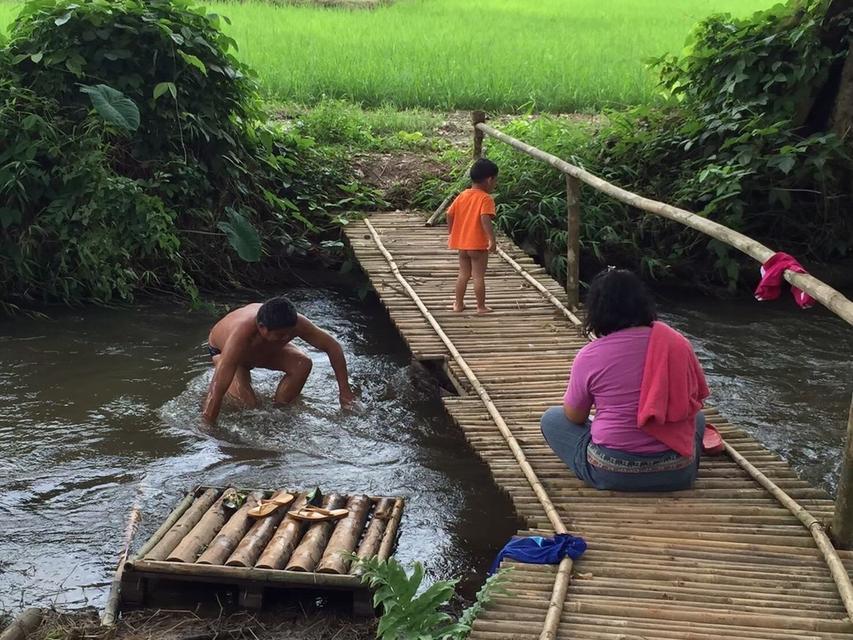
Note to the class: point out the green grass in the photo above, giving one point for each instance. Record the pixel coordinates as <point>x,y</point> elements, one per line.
<point>557,55</point>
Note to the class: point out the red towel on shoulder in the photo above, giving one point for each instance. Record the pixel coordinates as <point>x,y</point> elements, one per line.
<point>672,390</point>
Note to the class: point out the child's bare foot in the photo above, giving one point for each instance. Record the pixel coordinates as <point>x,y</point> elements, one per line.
<point>458,308</point>
<point>483,310</point>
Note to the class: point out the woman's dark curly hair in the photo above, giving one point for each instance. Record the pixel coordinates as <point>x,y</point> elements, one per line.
<point>618,299</point>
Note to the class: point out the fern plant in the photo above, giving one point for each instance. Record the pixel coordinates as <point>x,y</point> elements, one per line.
<point>409,615</point>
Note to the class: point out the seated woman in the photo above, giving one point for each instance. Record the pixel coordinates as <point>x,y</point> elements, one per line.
<point>647,388</point>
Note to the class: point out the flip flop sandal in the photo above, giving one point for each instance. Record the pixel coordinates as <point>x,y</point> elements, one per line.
<point>268,507</point>
<point>712,442</point>
<point>317,514</point>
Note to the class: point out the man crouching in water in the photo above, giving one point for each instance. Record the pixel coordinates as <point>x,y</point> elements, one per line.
<point>259,335</point>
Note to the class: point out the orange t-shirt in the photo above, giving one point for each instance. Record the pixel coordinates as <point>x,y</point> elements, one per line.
<point>468,233</point>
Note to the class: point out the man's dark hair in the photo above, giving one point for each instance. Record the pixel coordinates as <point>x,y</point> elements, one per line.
<point>618,299</point>
<point>277,313</point>
<point>483,169</point>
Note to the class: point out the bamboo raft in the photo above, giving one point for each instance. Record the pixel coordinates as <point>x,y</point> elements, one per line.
<point>725,559</point>
<point>204,540</point>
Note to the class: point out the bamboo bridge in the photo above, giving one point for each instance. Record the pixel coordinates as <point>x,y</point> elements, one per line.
<point>742,556</point>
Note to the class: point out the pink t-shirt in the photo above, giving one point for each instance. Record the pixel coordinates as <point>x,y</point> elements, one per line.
<point>607,373</point>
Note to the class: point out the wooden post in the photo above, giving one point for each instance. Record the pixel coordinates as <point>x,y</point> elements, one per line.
<point>573,204</point>
<point>842,523</point>
<point>476,118</point>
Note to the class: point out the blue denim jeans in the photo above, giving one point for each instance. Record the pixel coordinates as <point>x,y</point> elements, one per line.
<point>611,469</point>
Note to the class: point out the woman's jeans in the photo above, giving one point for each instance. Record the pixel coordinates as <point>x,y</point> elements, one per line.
<point>605,468</point>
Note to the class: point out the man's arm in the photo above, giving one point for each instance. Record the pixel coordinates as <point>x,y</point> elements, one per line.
<point>222,378</point>
<point>489,228</point>
<point>321,340</point>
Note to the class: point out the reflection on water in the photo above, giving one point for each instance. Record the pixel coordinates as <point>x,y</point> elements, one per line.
<point>100,411</point>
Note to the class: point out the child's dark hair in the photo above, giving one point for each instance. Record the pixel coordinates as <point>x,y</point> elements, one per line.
<point>483,169</point>
<point>618,299</point>
<point>277,313</point>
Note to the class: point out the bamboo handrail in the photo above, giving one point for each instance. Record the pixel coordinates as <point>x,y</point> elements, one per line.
<point>830,298</point>
<point>555,608</point>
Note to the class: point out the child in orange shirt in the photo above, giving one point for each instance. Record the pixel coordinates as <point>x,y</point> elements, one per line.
<point>469,222</point>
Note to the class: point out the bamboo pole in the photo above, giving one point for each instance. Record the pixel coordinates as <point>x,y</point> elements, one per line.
<point>390,537</point>
<point>254,542</point>
<point>179,511</point>
<point>433,219</point>
<point>203,532</point>
<point>373,537</point>
<point>253,575</point>
<point>573,206</point>
<point>231,533</point>
<point>830,555</point>
<point>309,551</point>
<point>284,540</point>
<point>181,527</point>
<point>548,632</point>
<point>108,618</point>
<point>24,624</point>
<point>336,558</point>
<point>842,521</point>
<point>820,291</point>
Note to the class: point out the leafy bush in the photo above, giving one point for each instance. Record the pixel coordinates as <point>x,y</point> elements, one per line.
<point>95,207</point>
<point>409,615</point>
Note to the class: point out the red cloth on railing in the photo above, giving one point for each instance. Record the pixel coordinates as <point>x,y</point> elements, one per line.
<point>772,273</point>
<point>672,390</point>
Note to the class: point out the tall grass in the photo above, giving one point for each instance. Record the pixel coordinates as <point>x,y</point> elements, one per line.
<point>558,55</point>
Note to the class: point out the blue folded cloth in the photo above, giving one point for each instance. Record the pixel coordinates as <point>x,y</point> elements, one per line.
<point>540,550</point>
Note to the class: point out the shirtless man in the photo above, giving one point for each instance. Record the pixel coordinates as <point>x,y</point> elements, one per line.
<point>259,335</point>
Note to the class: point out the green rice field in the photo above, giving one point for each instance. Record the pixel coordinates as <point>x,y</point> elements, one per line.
<point>547,55</point>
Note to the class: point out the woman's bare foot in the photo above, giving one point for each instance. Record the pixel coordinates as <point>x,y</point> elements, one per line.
<point>483,310</point>
<point>458,308</point>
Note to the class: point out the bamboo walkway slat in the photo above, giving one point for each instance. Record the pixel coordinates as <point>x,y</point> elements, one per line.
<point>722,560</point>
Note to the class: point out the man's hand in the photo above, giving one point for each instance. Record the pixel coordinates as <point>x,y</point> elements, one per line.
<point>347,398</point>
<point>493,246</point>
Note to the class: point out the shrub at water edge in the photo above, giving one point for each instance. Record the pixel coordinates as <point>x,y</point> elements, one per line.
<point>95,209</point>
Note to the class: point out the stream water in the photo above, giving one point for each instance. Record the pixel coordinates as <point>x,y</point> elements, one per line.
<point>99,412</point>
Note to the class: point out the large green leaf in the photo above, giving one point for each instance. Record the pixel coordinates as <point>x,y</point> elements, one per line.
<point>242,236</point>
<point>113,106</point>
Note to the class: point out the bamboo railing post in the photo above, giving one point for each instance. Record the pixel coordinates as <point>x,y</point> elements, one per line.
<point>573,205</point>
<point>478,117</point>
<point>842,522</point>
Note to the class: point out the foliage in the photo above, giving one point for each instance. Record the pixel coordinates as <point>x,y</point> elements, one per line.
<point>409,615</point>
<point>134,150</point>
<point>734,142</point>
<point>338,122</point>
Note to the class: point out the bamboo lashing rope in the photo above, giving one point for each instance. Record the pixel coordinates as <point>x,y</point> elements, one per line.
<point>555,607</point>
<point>823,293</point>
